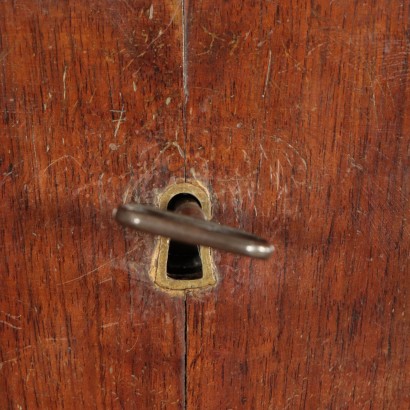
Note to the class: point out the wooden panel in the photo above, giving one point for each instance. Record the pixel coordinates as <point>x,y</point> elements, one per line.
<point>91,98</point>
<point>298,120</point>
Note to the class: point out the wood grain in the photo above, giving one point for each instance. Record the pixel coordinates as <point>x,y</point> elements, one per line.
<point>298,120</point>
<point>293,114</point>
<point>91,97</point>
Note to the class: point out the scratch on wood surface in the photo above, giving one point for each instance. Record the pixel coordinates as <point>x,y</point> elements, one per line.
<point>3,55</point>
<point>20,350</point>
<point>61,159</point>
<point>87,186</point>
<point>315,48</point>
<point>178,147</point>
<point>34,151</point>
<point>9,315</point>
<point>98,267</point>
<point>280,140</point>
<point>14,359</point>
<point>169,145</point>
<point>234,43</point>
<point>105,280</point>
<point>237,178</point>
<point>159,35</point>
<point>213,37</point>
<point>30,370</point>
<point>105,326</point>
<point>268,70</point>
<point>278,173</point>
<point>119,121</point>
<point>132,347</point>
<point>297,64</point>
<point>354,164</point>
<point>146,172</point>
<point>56,339</point>
<point>263,152</point>
<point>127,191</point>
<point>149,148</point>
<point>10,325</point>
<point>5,177</point>
<point>64,82</point>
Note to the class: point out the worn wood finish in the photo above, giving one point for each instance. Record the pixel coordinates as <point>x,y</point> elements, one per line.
<point>91,113</point>
<point>298,120</point>
<point>294,115</point>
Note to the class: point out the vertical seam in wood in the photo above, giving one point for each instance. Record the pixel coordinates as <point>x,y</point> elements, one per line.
<point>184,81</point>
<point>185,352</point>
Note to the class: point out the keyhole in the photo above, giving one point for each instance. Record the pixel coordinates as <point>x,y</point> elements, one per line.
<point>184,261</point>
<point>176,266</point>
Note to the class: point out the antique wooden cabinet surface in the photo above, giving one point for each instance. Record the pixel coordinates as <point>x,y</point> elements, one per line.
<point>295,115</point>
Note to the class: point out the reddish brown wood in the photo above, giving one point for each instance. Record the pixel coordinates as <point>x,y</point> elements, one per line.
<point>91,98</point>
<point>298,120</point>
<point>294,115</point>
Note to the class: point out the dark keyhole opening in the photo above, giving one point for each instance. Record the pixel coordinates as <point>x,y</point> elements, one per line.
<point>184,261</point>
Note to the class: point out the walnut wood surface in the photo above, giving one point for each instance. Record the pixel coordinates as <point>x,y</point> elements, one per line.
<point>91,96</point>
<point>295,115</point>
<point>299,123</point>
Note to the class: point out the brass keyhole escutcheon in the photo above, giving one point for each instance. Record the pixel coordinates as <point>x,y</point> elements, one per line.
<point>177,266</point>
<point>182,259</point>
